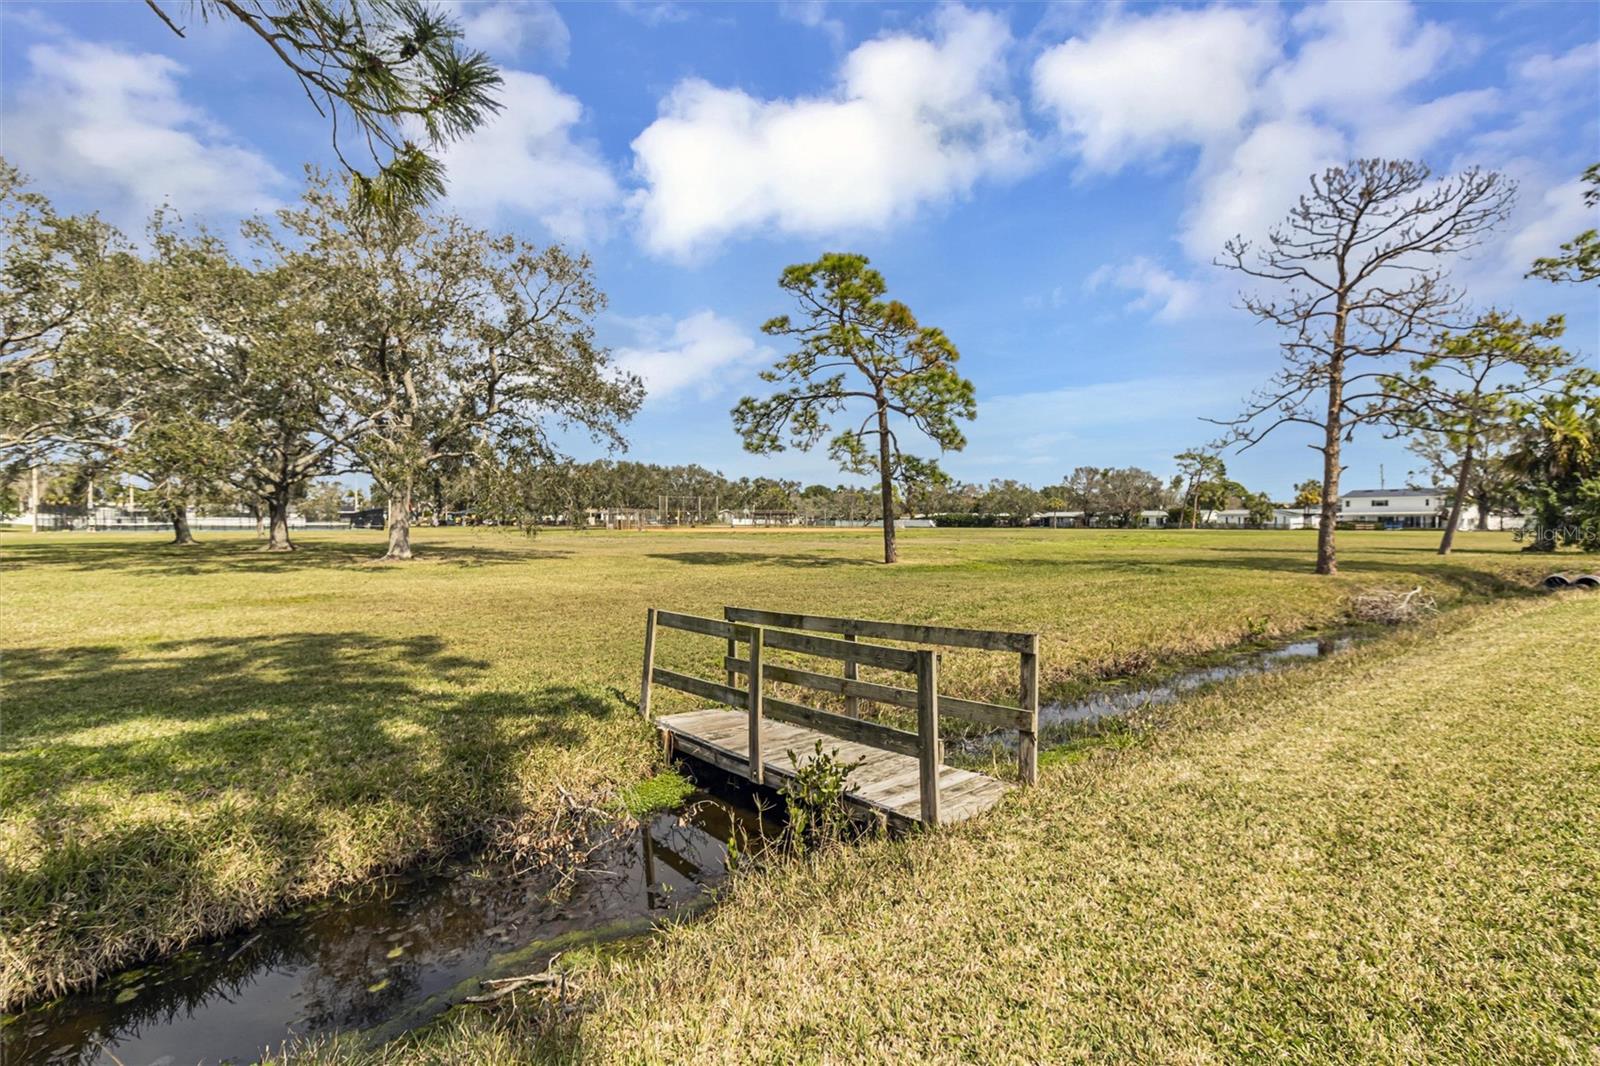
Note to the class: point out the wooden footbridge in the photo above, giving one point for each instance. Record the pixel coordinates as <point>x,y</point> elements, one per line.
<point>902,777</point>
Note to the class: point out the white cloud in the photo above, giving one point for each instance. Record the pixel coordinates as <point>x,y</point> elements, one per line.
<point>700,353</point>
<point>525,160</point>
<point>1134,88</point>
<point>508,30</point>
<point>1408,133</point>
<point>1354,60</point>
<point>654,12</point>
<point>1255,185</point>
<point>1158,290</point>
<point>1548,221</point>
<point>113,124</point>
<point>1580,65</point>
<point>813,14</point>
<point>1264,103</point>
<point>912,122</point>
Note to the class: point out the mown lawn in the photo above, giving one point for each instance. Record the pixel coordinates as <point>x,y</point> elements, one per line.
<point>1392,855</point>
<point>194,737</point>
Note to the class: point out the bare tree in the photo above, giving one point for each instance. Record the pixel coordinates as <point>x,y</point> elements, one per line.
<point>1359,266</point>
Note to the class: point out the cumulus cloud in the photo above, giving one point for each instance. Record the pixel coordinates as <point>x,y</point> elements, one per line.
<point>1252,187</point>
<point>697,354</point>
<point>1354,60</point>
<point>1157,290</point>
<point>1132,89</point>
<point>513,30</point>
<point>525,160</point>
<point>913,121</point>
<point>1263,102</point>
<point>113,124</point>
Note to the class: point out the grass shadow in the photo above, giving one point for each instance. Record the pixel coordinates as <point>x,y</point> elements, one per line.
<point>796,560</point>
<point>236,556</point>
<point>167,791</point>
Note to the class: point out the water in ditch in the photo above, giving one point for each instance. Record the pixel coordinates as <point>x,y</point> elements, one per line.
<point>399,955</point>
<point>1061,723</point>
<point>390,959</point>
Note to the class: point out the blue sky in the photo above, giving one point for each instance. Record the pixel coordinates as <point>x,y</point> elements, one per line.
<point>1048,184</point>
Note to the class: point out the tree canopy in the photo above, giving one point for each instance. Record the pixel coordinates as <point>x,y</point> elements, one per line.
<point>395,68</point>
<point>856,353</point>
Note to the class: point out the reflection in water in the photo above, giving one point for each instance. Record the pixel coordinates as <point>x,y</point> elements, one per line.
<point>386,962</point>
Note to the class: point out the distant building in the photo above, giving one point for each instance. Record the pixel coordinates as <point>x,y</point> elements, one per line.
<point>1403,508</point>
<point>1227,517</point>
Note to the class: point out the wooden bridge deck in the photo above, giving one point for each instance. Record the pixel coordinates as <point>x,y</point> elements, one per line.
<point>886,783</point>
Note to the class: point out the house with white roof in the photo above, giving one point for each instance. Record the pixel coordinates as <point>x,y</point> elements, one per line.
<point>1426,508</point>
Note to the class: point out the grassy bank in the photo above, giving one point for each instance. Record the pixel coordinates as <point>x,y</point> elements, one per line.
<point>193,738</point>
<point>1391,855</point>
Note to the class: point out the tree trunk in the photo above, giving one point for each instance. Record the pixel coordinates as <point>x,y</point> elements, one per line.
<point>278,522</point>
<point>400,523</point>
<point>33,500</point>
<point>180,525</point>
<point>1456,504</point>
<point>1327,556</point>
<point>891,553</point>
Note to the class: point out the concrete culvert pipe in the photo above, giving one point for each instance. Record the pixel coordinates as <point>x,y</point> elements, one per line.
<point>1587,581</point>
<point>1556,581</point>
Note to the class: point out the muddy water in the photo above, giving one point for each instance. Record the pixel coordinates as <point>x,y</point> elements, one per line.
<point>385,962</point>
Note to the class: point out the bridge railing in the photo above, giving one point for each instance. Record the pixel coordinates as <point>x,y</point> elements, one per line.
<point>759,631</point>
<point>1024,717</point>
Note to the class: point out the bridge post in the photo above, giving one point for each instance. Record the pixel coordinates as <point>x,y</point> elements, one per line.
<point>1028,740</point>
<point>753,704</point>
<point>928,734</point>
<point>649,661</point>
<point>852,706</point>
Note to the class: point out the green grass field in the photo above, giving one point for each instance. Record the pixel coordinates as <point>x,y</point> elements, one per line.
<point>196,737</point>
<point>1390,855</point>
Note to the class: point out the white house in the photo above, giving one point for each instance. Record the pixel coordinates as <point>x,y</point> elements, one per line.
<point>1403,508</point>
<point>1227,516</point>
<point>1294,518</point>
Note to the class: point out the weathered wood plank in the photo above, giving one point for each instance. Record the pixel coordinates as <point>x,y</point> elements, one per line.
<point>838,725</point>
<point>649,661</point>
<point>852,705</point>
<point>928,733</point>
<point>711,627</point>
<point>849,651</point>
<point>753,681</point>
<point>995,714</point>
<point>839,686</point>
<point>948,636</point>
<point>887,784</point>
<point>1028,729</point>
<point>695,686</point>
